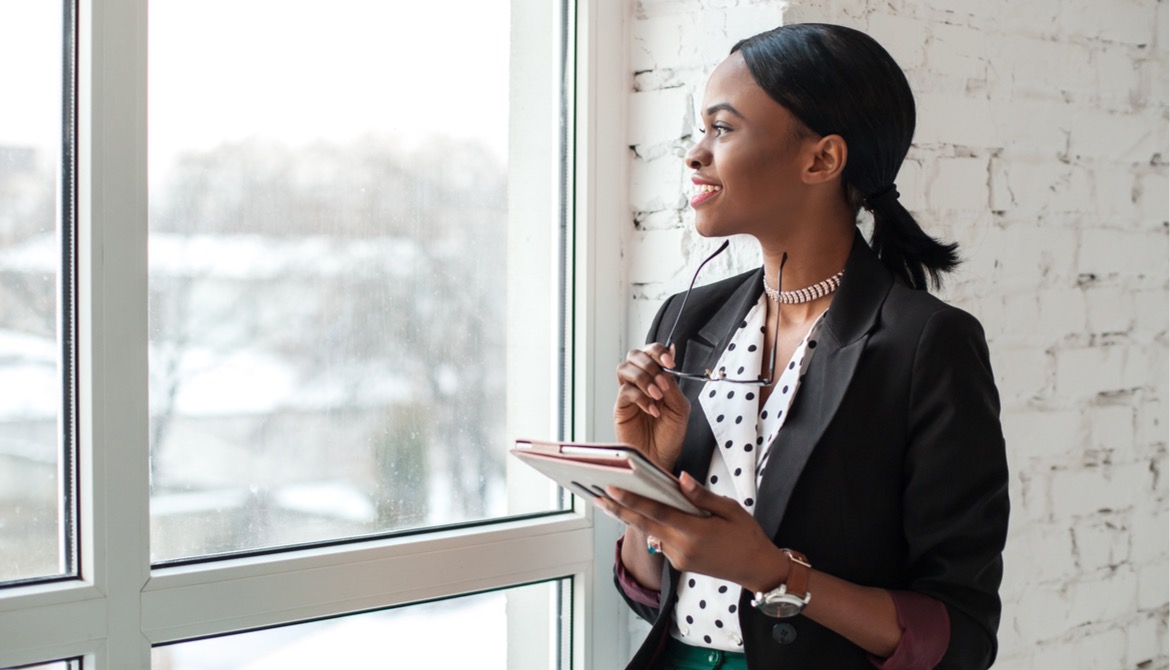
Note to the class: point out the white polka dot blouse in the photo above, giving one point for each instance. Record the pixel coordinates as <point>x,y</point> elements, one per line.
<point>705,612</point>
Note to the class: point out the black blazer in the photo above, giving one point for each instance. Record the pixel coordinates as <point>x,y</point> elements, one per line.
<point>889,472</point>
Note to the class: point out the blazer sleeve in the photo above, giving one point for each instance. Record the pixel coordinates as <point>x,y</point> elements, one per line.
<point>635,595</point>
<point>955,484</point>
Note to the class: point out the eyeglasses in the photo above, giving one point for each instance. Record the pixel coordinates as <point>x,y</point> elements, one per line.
<point>720,375</point>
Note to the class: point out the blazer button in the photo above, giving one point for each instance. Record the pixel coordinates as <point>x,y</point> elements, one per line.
<point>783,633</point>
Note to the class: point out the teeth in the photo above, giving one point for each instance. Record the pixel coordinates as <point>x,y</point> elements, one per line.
<point>707,188</point>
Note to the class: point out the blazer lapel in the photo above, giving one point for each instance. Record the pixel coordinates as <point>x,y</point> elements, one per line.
<point>702,353</point>
<point>847,326</point>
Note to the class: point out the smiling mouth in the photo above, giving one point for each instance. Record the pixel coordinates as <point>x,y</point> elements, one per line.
<point>704,192</point>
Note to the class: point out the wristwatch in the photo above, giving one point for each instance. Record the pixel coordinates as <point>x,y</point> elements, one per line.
<point>788,599</point>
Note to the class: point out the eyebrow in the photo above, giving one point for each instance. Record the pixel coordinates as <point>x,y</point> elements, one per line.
<point>721,107</point>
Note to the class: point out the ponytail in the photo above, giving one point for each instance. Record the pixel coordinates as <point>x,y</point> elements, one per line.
<point>903,247</point>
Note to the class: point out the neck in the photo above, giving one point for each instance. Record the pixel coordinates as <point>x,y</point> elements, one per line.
<point>810,259</point>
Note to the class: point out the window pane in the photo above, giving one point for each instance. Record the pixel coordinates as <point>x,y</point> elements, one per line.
<point>55,665</point>
<point>34,413</point>
<point>329,225</point>
<point>515,629</point>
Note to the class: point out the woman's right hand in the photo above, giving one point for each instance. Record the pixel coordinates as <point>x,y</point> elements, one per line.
<point>651,411</point>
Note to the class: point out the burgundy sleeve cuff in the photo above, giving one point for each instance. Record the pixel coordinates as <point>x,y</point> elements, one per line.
<point>630,586</point>
<point>926,632</point>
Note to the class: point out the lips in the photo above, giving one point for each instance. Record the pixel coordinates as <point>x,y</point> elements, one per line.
<point>703,192</point>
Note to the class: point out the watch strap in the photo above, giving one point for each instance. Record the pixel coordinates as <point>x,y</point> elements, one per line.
<point>798,573</point>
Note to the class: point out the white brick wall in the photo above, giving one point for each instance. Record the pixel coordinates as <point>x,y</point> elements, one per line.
<point>1042,149</point>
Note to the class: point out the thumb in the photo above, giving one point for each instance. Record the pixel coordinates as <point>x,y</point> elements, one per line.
<point>703,497</point>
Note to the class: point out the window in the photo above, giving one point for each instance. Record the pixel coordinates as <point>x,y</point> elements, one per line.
<point>248,429</point>
<point>36,293</point>
<point>330,287</point>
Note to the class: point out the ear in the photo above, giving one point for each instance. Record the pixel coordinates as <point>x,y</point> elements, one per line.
<point>826,160</point>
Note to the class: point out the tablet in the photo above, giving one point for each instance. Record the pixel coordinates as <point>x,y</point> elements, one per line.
<point>587,468</point>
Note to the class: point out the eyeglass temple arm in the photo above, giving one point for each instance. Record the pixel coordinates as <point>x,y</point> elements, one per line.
<point>677,316</point>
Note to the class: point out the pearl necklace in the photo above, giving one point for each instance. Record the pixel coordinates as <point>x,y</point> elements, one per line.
<point>807,294</point>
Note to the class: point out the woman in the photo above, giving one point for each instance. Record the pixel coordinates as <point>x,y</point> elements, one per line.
<point>845,435</point>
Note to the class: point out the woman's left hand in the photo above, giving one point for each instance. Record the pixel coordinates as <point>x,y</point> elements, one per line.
<point>729,544</point>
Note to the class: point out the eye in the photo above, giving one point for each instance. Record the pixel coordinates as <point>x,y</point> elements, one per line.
<point>719,129</point>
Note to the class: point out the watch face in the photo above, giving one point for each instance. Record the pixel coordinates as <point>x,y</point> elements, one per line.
<point>782,606</point>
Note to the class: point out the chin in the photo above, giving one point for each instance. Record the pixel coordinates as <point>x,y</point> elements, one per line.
<point>707,227</point>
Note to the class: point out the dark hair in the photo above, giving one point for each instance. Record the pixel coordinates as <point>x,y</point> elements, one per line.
<point>837,80</point>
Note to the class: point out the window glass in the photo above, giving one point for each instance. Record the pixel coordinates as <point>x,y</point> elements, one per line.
<point>35,322</point>
<point>329,225</point>
<point>55,665</point>
<point>515,629</point>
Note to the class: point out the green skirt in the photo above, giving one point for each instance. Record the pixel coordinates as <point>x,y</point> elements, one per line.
<point>681,656</point>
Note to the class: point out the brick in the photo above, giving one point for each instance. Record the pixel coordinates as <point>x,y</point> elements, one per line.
<point>1114,191</point>
<point>1091,649</point>
<point>641,315</point>
<point>1101,544</point>
<point>904,37</point>
<point>1047,544</point>
<point>1150,312</point>
<point>1039,614</point>
<point>654,256</point>
<point>1021,375</point>
<point>1042,69</point>
<point>665,219</point>
<point>751,19</point>
<point>1112,427</point>
<point>1043,185</point>
<point>1108,252</point>
<point>1092,600</point>
<point>658,117</point>
<point>1153,195</point>
<point>1025,256</point>
<point>1153,586</point>
<point>1109,310</point>
<point>958,184</point>
<point>1151,421</point>
<point>1031,128</point>
<point>1125,21</point>
<point>1057,435</point>
<point>1145,366</point>
<point>1142,643</point>
<point>654,40</point>
<point>704,38</point>
<point>1063,312</point>
<point>1087,491</point>
<point>1085,373</point>
<point>1117,80</point>
<point>1021,326</point>
<point>1035,19</point>
<point>1150,536</point>
<point>911,186</point>
<point>936,121</point>
<point>958,51</point>
<point>1163,26</point>
<point>1119,137</point>
<point>1034,502</point>
<point>657,184</point>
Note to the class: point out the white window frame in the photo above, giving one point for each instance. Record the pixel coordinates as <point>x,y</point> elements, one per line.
<point>121,607</point>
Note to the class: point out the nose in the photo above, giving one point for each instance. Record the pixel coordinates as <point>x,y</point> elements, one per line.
<point>698,155</point>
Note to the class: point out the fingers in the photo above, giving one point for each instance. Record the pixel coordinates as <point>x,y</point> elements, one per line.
<point>643,506</point>
<point>705,498</point>
<point>642,382</point>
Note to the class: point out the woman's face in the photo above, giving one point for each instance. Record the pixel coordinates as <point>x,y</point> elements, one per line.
<point>749,159</point>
